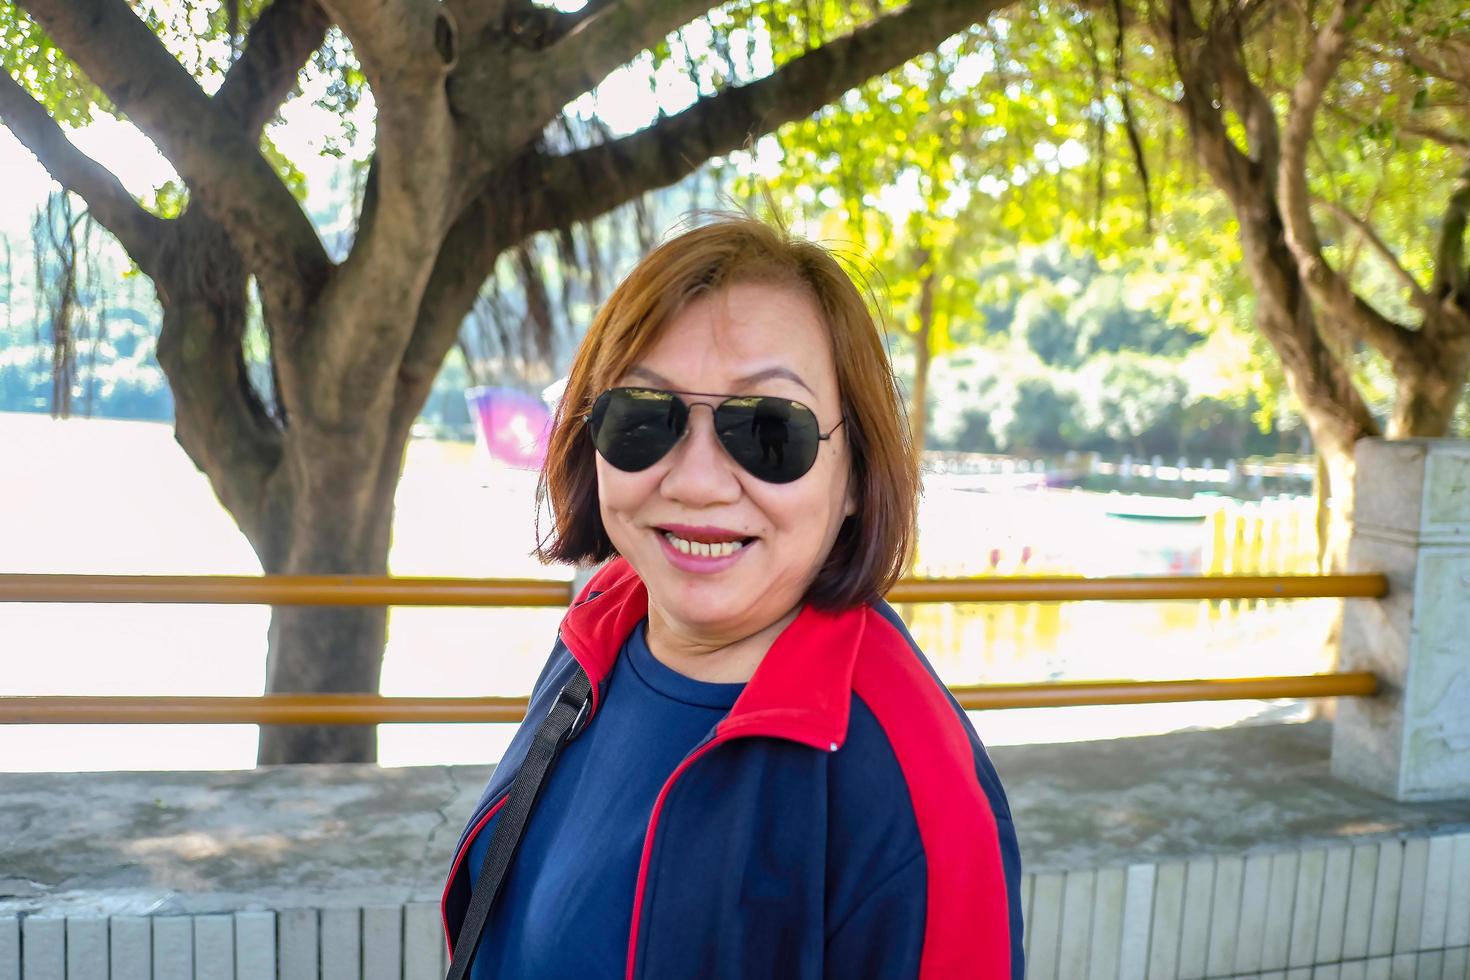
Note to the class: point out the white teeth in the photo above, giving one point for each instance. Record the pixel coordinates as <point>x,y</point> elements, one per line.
<point>704,549</point>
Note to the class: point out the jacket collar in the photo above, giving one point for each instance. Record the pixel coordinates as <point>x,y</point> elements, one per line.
<point>802,690</point>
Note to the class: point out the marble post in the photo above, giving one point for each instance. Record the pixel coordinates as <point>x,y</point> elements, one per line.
<point>1412,522</point>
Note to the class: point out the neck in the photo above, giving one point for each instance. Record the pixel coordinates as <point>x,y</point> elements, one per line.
<point>711,658</point>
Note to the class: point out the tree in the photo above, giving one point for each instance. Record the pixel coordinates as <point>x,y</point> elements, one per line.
<point>941,170</point>
<point>1126,394</point>
<point>473,154</point>
<point>61,245</point>
<point>1330,130</point>
<point>884,170</point>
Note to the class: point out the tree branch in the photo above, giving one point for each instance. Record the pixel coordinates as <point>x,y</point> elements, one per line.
<point>402,44</point>
<point>1328,50</point>
<point>368,309</point>
<point>1456,70</point>
<point>535,192</point>
<point>281,39</point>
<point>1263,135</point>
<point>1211,72</point>
<point>1371,236</point>
<point>108,201</point>
<point>1451,276</point>
<point>220,162</point>
<point>542,80</point>
<point>468,255</point>
<point>1327,285</point>
<point>536,28</point>
<point>583,184</point>
<point>219,418</point>
<point>473,15</point>
<point>567,24</point>
<point>1194,55</point>
<point>607,41</point>
<point>1436,135</point>
<point>407,48</point>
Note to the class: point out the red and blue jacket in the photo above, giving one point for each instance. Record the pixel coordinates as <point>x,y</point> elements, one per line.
<point>842,820</point>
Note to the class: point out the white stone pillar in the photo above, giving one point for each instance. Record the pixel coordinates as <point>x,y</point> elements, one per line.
<point>1411,522</point>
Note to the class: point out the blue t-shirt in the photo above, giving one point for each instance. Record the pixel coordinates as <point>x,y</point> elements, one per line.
<point>567,904</point>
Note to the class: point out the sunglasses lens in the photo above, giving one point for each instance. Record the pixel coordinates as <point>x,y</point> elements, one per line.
<point>774,439</point>
<point>633,428</point>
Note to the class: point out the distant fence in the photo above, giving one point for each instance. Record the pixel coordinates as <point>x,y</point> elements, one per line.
<point>1249,472</point>
<point>1206,535</point>
<point>1275,536</point>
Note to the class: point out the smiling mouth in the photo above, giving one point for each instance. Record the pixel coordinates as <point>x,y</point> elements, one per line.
<point>705,549</point>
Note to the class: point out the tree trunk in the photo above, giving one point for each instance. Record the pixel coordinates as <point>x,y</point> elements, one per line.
<point>1335,513</point>
<point>340,525</point>
<point>918,400</point>
<point>923,356</point>
<point>337,510</point>
<point>311,498</point>
<point>1427,391</point>
<point>1333,409</point>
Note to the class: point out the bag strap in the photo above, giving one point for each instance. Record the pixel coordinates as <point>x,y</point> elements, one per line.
<point>562,724</point>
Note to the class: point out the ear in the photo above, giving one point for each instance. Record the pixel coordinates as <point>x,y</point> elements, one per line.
<point>850,501</point>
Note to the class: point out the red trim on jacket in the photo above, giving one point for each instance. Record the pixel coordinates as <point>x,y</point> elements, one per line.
<point>454,871</point>
<point>647,855</point>
<point>967,925</point>
<point>801,691</point>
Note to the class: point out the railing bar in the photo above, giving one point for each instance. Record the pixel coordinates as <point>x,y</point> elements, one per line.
<point>1140,588</point>
<point>282,590</point>
<point>365,709</point>
<point>351,590</point>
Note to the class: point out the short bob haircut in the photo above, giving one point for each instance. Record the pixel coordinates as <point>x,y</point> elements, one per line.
<point>873,544</point>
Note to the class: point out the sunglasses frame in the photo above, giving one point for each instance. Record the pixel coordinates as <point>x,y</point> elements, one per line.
<point>688,408</point>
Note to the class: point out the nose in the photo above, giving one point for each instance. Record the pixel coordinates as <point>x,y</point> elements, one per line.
<point>701,473</point>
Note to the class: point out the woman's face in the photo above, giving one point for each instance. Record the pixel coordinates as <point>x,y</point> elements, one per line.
<point>744,340</point>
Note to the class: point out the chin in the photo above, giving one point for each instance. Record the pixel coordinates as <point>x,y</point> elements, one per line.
<point>706,605</point>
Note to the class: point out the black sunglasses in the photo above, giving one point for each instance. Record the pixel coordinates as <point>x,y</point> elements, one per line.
<point>774,439</point>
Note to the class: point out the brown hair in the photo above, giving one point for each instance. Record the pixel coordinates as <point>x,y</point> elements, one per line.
<point>874,543</point>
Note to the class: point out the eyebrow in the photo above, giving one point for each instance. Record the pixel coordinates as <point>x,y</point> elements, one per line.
<point>765,374</point>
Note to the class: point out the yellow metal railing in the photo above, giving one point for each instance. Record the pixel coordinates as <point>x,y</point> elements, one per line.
<point>366,590</point>
<point>364,709</point>
<point>372,709</point>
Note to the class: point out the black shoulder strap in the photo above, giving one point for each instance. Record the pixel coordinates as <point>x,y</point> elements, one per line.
<point>562,724</point>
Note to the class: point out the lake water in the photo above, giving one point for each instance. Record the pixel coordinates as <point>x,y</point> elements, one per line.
<point>111,497</point>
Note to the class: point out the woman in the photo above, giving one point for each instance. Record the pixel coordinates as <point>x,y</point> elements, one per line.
<point>767,780</point>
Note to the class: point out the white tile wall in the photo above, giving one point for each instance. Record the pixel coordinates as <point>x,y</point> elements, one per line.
<point>1392,910</point>
<point>86,947</point>
<point>130,945</point>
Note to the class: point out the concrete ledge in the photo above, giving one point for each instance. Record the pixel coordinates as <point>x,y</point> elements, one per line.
<point>164,843</point>
<point>1248,790</point>
<point>1225,853</point>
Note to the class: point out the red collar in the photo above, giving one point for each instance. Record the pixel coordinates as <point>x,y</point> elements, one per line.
<point>801,691</point>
